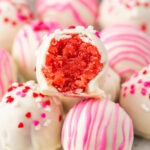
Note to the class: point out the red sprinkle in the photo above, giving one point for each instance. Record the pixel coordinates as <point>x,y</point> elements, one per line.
<point>137,3</point>
<point>71,27</point>
<point>145,72</point>
<point>9,99</point>
<point>20,125</point>
<point>48,102</point>
<point>28,115</point>
<point>11,88</point>
<point>144,27</point>
<point>14,23</point>
<point>60,118</point>
<point>146,4</point>
<point>20,84</point>
<point>6,19</point>
<point>42,95</point>
<point>35,95</point>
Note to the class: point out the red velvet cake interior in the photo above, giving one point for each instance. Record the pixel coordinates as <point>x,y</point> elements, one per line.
<point>71,64</point>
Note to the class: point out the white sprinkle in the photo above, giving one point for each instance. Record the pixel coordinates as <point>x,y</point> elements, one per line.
<point>47,109</point>
<point>61,37</point>
<point>38,127</point>
<point>145,108</point>
<point>47,122</point>
<point>39,99</point>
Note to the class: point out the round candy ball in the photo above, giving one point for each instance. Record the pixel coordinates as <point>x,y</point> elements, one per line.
<point>68,12</point>
<point>134,98</point>
<point>128,49</point>
<point>134,12</point>
<point>26,44</point>
<point>8,71</point>
<point>29,119</point>
<point>13,16</point>
<point>97,125</point>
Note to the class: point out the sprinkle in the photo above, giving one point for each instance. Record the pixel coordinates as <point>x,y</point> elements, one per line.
<point>143,91</point>
<point>21,94</point>
<point>132,86</point>
<point>35,122</point>
<point>145,108</point>
<point>145,72</point>
<point>47,109</point>
<point>43,104</point>
<point>97,34</point>
<point>144,27</point>
<point>132,91</point>
<point>35,95</point>
<point>42,95</point>
<point>14,23</point>
<point>140,81</point>
<point>146,4</point>
<point>9,99</point>
<point>47,122</point>
<point>6,19</point>
<point>48,102</point>
<point>147,84</point>
<point>71,27</point>
<point>60,118</point>
<point>43,115</point>
<point>20,125</point>
<point>20,84</point>
<point>38,127</point>
<point>124,94</point>
<point>125,88</point>
<point>28,115</point>
<point>11,88</point>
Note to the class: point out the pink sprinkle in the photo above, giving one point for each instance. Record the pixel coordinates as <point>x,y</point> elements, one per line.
<point>132,91</point>
<point>132,86</point>
<point>43,115</point>
<point>140,81</point>
<point>35,122</point>
<point>124,94</point>
<point>43,104</point>
<point>97,34</point>
<point>147,84</point>
<point>125,88</point>
<point>143,91</point>
<point>21,94</point>
<point>128,79</point>
<point>136,74</point>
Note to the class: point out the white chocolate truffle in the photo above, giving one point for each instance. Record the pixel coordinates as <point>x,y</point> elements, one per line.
<point>112,85</point>
<point>72,62</point>
<point>68,12</point>
<point>134,12</point>
<point>128,49</point>
<point>29,119</point>
<point>134,98</point>
<point>97,125</point>
<point>8,72</point>
<point>26,44</point>
<point>13,15</point>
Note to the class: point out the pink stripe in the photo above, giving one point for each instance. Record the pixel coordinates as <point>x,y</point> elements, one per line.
<point>124,136</point>
<point>116,124</point>
<point>100,122</point>
<point>103,136</point>
<point>131,132</point>
<point>127,71</point>
<point>87,122</point>
<point>114,61</point>
<point>95,108</point>
<point>130,46</point>
<point>61,8</point>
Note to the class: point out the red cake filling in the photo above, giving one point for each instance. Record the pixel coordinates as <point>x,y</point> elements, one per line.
<point>71,64</point>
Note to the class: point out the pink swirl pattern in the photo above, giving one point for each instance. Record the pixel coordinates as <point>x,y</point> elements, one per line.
<point>126,44</point>
<point>92,5</point>
<point>95,125</point>
<point>5,71</point>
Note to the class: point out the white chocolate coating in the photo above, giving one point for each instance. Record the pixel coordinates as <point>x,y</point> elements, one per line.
<point>112,85</point>
<point>8,72</point>
<point>128,49</point>
<point>134,98</point>
<point>26,44</point>
<point>134,12</point>
<point>93,88</point>
<point>97,125</point>
<point>68,12</point>
<point>29,120</point>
